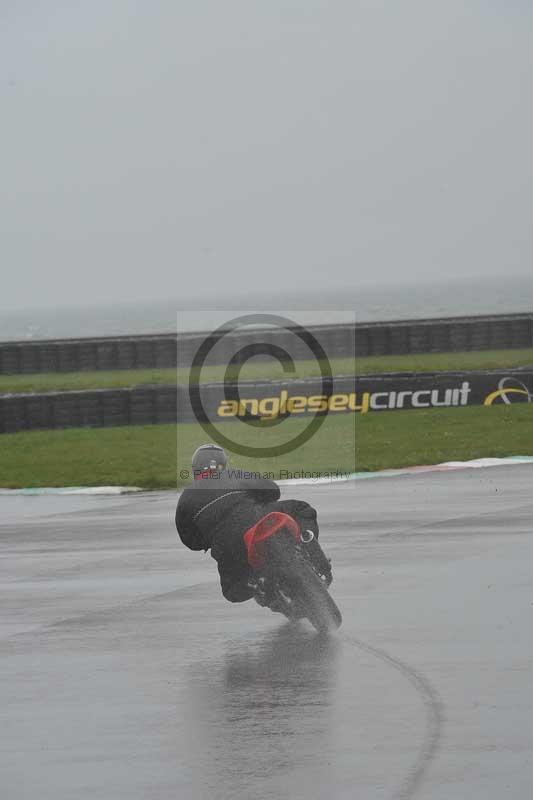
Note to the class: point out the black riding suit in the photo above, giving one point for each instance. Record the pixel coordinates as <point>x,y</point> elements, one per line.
<point>214,513</point>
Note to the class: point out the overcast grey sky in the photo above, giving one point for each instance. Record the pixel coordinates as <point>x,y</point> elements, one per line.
<point>162,149</point>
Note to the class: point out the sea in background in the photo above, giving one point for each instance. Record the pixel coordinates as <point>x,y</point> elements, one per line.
<point>366,304</point>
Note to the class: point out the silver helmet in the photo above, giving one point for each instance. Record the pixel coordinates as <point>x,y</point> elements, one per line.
<point>208,458</point>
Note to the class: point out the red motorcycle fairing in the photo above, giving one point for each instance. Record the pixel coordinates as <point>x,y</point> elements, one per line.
<point>266,527</point>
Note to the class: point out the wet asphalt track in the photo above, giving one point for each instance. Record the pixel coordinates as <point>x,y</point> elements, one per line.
<point>125,675</point>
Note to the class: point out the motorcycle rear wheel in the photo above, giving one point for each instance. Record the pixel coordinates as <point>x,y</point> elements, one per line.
<point>294,572</point>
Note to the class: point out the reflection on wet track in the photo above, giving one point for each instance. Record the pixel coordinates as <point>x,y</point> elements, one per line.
<point>264,711</point>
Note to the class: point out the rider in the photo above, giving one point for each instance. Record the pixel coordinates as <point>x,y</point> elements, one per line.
<point>216,510</point>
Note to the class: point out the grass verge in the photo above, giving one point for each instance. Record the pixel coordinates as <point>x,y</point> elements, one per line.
<point>148,456</point>
<point>431,362</point>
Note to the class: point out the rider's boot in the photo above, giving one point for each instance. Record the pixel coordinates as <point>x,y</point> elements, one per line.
<point>259,589</point>
<point>265,598</point>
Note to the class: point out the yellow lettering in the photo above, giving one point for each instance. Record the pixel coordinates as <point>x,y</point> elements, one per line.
<point>269,407</point>
<point>228,408</point>
<point>318,402</point>
<point>338,402</point>
<point>254,407</point>
<point>365,402</point>
<point>296,404</point>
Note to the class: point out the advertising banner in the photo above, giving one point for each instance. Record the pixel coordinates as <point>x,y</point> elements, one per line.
<point>267,400</point>
<point>364,394</point>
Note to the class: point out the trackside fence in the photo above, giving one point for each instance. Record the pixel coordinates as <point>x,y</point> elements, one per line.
<point>366,339</point>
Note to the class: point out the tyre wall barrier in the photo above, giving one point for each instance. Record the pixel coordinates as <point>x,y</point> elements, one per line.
<point>268,399</point>
<point>365,339</point>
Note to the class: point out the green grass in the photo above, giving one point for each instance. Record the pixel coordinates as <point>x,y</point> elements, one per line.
<point>148,456</point>
<point>487,359</point>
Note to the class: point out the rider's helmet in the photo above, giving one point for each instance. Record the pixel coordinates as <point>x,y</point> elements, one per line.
<point>208,458</point>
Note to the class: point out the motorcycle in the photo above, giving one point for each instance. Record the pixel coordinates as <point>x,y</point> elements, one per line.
<point>291,573</point>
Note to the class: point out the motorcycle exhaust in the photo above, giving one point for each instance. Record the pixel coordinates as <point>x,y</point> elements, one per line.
<point>307,536</point>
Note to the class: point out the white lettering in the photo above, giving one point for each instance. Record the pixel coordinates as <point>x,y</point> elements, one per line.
<point>465,391</point>
<point>435,398</point>
<point>374,404</point>
<point>417,402</point>
<point>401,396</point>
